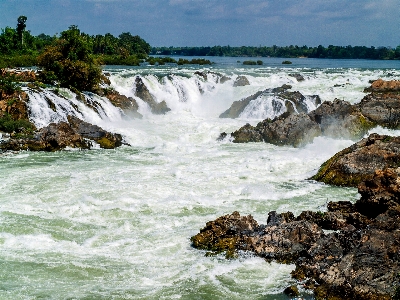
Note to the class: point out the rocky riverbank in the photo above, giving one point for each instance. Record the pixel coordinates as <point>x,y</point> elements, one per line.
<point>361,260</point>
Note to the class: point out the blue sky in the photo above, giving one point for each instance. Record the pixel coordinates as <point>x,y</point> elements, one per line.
<point>218,22</point>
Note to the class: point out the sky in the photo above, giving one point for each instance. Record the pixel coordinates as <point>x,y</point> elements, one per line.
<point>218,22</point>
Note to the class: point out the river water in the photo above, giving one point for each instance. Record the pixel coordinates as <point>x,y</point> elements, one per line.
<point>116,224</point>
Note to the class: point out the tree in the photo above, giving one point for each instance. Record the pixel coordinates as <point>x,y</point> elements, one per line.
<point>70,63</point>
<point>21,28</point>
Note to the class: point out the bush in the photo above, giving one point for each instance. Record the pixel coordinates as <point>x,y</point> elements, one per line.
<point>286,62</point>
<point>8,124</point>
<point>249,62</point>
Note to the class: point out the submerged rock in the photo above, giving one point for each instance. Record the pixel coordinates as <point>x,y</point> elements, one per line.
<point>358,162</point>
<point>359,261</point>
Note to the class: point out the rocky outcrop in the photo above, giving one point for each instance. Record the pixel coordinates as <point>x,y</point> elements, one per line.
<point>143,93</point>
<point>54,137</point>
<point>361,260</point>
<point>294,101</point>
<point>358,162</point>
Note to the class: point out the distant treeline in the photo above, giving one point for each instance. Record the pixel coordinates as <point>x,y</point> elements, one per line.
<point>349,52</point>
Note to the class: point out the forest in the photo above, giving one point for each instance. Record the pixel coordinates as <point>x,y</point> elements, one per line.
<point>335,52</point>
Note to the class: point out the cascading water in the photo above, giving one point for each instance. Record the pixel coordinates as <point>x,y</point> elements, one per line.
<point>116,224</point>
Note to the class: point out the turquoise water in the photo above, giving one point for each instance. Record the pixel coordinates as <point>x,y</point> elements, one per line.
<point>116,224</point>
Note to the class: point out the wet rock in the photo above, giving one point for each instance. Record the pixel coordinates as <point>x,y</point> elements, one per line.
<point>295,130</point>
<point>143,93</point>
<point>241,81</point>
<point>223,234</point>
<point>295,102</point>
<point>127,104</point>
<point>238,107</point>
<point>297,76</point>
<point>54,137</point>
<point>340,119</point>
<point>358,162</point>
<point>107,140</point>
<point>382,109</point>
<point>246,134</point>
<point>292,291</point>
<point>379,193</point>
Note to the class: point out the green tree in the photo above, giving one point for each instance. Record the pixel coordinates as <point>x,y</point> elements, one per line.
<point>69,62</point>
<point>21,25</point>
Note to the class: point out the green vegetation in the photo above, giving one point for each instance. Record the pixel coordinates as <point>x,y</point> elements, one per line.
<point>69,63</point>
<point>252,62</point>
<point>348,52</point>
<point>286,62</point>
<point>8,85</point>
<point>21,126</point>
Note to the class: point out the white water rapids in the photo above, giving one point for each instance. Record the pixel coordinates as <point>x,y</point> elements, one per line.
<point>116,224</point>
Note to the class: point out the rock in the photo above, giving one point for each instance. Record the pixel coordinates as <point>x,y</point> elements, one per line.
<point>223,233</point>
<point>107,140</point>
<point>292,291</point>
<point>54,137</point>
<point>295,130</point>
<point>379,193</point>
<point>246,134</point>
<point>241,81</point>
<point>382,109</point>
<point>358,162</point>
<point>382,86</point>
<point>340,119</point>
<point>143,93</point>
<point>298,76</point>
<point>238,107</point>
<point>127,104</point>
<point>295,102</point>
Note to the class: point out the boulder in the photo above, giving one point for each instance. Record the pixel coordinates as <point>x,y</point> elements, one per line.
<point>340,119</point>
<point>295,130</point>
<point>382,109</point>
<point>241,81</point>
<point>358,162</point>
<point>297,76</point>
<point>143,93</point>
<point>246,134</point>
